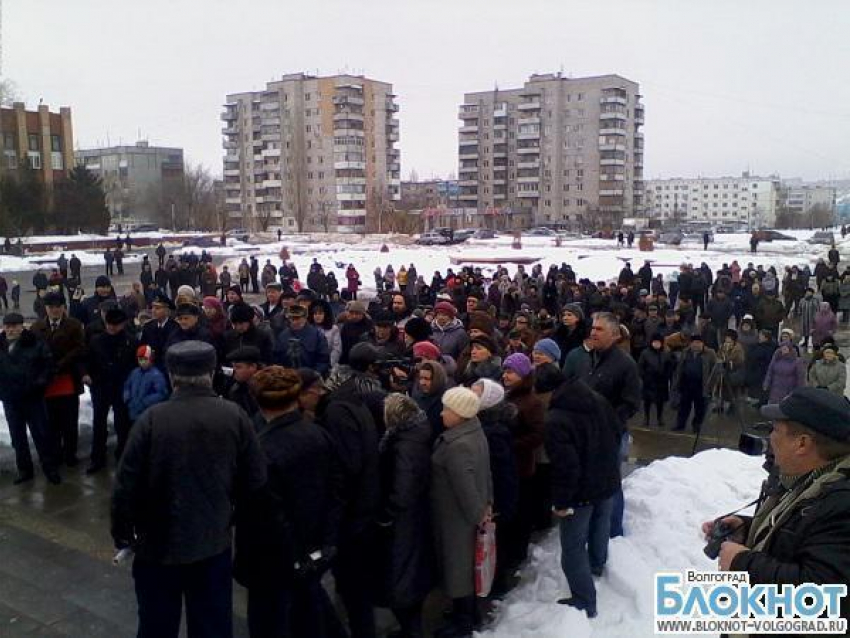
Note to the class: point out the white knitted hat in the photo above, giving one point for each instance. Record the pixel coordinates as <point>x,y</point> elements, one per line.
<point>491,392</point>
<point>462,401</point>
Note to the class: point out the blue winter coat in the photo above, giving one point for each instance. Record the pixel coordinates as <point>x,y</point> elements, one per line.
<point>144,388</point>
<point>305,348</point>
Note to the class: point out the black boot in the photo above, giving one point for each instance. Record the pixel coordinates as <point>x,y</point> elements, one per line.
<point>462,622</point>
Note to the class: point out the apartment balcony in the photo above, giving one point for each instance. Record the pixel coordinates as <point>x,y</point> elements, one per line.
<point>392,137</point>
<point>270,152</point>
<point>528,179</point>
<point>639,117</point>
<point>351,197</point>
<point>346,165</point>
<point>499,195</point>
<point>530,164</point>
<point>348,132</point>
<point>528,120</point>
<point>468,197</point>
<point>230,130</point>
<point>500,126</point>
<point>468,141</point>
<point>527,194</point>
<point>502,112</point>
<point>353,100</point>
<point>270,121</point>
<point>500,154</point>
<point>233,200</point>
<point>533,105</point>
<point>612,162</point>
<point>272,105</point>
<point>611,192</point>
<point>613,177</point>
<point>613,115</point>
<point>498,182</point>
<point>528,136</point>
<point>393,107</point>
<point>342,117</point>
<point>468,154</point>
<point>359,180</point>
<point>612,147</point>
<point>468,182</point>
<point>468,169</point>
<point>272,183</point>
<point>500,169</point>
<point>230,116</point>
<point>612,131</point>
<point>614,100</point>
<point>468,112</point>
<point>472,128</point>
<point>528,150</point>
<point>232,172</point>
<point>391,166</point>
<point>231,145</point>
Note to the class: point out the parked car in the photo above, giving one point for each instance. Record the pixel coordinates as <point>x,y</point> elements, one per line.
<point>239,233</point>
<point>202,242</point>
<point>540,231</point>
<point>484,233</point>
<point>773,235</point>
<point>462,235</point>
<point>432,238</point>
<point>146,228</point>
<point>825,237</point>
<point>674,237</point>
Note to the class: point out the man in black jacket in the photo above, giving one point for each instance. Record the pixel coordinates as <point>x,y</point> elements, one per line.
<point>157,331</point>
<point>346,415</point>
<point>111,359</point>
<point>246,363</point>
<point>583,445</point>
<point>26,368</point>
<point>189,463</point>
<point>614,375</point>
<point>801,529</point>
<point>245,332</point>
<point>297,517</point>
<point>66,339</point>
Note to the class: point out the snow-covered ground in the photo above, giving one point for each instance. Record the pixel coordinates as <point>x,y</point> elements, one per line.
<point>666,503</point>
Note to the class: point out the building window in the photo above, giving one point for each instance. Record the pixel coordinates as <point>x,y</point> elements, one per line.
<point>9,141</point>
<point>58,162</point>
<point>11,160</point>
<point>32,141</point>
<point>35,160</point>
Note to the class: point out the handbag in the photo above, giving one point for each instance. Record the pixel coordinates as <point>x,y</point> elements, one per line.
<point>485,558</point>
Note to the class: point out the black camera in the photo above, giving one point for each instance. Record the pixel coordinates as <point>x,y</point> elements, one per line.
<point>719,533</point>
<point>756,441</point>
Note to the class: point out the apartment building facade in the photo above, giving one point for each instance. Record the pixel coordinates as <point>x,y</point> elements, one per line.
<point>745,201</point>
<point>312,153</point>
<point>800,199</point>
<point>41,138</point>
<point>558,150</point>
<point>141,182</point>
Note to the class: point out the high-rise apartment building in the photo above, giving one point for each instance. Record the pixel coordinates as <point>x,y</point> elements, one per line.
<point>746,201</point>
<point>312,153</point>
<point>558,150</point>
<point>142,183</point>
<point>43,139</point>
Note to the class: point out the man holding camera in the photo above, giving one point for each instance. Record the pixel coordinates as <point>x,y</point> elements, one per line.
<point>801,530</point>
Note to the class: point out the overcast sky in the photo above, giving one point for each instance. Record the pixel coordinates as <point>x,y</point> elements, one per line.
<point>729,85</point>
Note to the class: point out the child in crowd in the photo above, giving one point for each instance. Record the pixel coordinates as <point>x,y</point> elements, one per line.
<point>145,386</point>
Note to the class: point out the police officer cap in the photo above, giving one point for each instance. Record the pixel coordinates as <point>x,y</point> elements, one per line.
<point>190,358</point>
<point>13,319</point>
<point>53,299</point>
<point>163,300</point>
<point>817,409</point>
<point>245,354</point>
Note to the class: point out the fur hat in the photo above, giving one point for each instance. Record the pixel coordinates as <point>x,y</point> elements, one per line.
<point>186,291</point>
<point>485,341</point>
<point>462,401</point>
<point>275,387</point>
<point>491,392</point>
<point>417,329</point>
<point>356,306</point>
<point>480,320</point>
<point>399,409</point>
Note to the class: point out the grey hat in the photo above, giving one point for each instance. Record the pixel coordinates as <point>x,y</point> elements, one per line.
<point>575,309</point>
<point>190,358</point>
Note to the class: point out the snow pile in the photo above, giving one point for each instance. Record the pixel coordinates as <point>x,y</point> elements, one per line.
<point>85,422</point>
<point>666,503</point>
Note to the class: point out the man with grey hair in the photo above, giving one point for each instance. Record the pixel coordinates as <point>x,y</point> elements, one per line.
<point>188,463</point>
<point>614,374</point>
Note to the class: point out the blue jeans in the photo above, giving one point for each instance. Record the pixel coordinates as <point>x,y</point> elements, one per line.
<point>584,549</point>
<point>619,505</point>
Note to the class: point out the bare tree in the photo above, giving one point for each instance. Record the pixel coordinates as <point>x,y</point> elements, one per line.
<point>327,215</point>
<point>9,92</point>
<point>199,198</point>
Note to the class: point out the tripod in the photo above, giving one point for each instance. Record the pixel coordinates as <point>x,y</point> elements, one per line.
<point>721,391</point>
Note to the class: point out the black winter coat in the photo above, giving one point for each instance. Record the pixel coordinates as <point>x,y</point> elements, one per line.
<point>259,338</point>
<point>355,436</point>
<point>405,546</point>
<point>157,338</point>
<point>351,334</point>
<point>188,463</point>
<point>26,371</point>
<point>68,347</point>
<point>656,370</point>
<point>583,444</point>
<point>300,508</point>
<point>111,359</point>
<point>614,375</point>
<point>569,340</point>
<point>757,361</point>
<point>498,424</point>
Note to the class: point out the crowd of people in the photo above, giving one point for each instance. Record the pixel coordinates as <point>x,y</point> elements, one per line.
<point>372,437</point>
